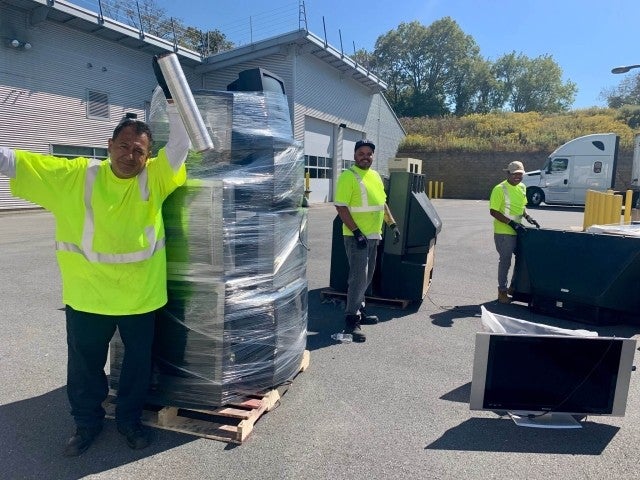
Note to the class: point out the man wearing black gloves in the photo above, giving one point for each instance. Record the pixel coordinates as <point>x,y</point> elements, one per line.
<point>361,204</point>
<point>507,207</point>
<point>110,247</point>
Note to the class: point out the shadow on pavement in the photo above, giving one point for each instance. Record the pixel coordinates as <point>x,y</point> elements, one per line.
<point>33,433</point>
<point>502,435</point>
<point>446,317</point>
<point>326,317</point>
<point>462,394</point>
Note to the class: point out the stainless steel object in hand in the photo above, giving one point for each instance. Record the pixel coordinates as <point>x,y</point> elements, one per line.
<point>186,104</point>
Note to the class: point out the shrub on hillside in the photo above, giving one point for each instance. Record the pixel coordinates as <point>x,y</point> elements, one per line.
<point>516,132</point>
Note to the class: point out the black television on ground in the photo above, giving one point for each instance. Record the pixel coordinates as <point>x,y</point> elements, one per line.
<point>257,80</point>
<point>551,381</point>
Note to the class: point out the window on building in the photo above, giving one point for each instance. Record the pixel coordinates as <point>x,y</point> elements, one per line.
<point>347,163</point>
<point>97,105</point>
<point>72,151</point>
<point>318,167</point>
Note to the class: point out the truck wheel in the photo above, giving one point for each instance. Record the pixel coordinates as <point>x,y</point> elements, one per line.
<point>535,197</point>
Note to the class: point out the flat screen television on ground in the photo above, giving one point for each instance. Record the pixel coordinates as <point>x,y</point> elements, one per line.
<point>257,80</point>
<point>551,380</point>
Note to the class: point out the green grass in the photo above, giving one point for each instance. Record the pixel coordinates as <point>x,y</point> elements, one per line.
<point>515,132</point>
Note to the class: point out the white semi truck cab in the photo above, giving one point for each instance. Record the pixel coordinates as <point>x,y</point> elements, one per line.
<point>584,163</point>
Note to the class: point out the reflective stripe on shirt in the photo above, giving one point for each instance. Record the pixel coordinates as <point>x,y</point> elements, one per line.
<point>88,231</point>
<point>507,205</point>
<point>364,197</point>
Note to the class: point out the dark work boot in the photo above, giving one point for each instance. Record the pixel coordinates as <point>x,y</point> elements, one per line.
<point>137,436</point>
<point>352,327</point>
<point>81,441</point>
<point>366,319</point>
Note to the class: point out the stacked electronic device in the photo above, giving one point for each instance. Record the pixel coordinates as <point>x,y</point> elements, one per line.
<point>236,320</point>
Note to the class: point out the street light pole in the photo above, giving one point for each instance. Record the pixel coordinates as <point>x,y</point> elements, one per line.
<point>624,69</point>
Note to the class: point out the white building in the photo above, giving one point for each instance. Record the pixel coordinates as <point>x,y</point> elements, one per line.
<point>68,76</point>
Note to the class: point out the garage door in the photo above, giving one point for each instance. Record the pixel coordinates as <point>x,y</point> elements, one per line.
<point>318,154</point>
<point>349,139</point>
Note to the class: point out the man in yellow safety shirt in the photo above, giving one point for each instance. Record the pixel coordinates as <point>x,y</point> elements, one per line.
<point>361,204</point>
<point>507,207</point>
<point>110,247</point>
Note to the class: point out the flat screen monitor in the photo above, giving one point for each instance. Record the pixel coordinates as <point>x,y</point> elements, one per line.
<point>257,80</point>
<point>536,375</point>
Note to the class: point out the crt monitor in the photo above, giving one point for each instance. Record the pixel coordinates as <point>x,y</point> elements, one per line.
<point>537,375</point>
<point>257,80</point>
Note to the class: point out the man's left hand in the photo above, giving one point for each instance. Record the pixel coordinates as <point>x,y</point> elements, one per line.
<point>531,220</point>
<point>396,233</point>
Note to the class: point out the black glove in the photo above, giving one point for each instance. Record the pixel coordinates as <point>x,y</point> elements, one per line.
<point>360,238</point>
<point>531,221</point>
<point>160,77</point>
<point>518,227</point>
<point>396,233</point>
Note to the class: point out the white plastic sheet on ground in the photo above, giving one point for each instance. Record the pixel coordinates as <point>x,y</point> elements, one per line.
<point>493,322</point>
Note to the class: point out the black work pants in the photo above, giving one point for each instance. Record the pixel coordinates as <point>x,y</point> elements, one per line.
<point>88,336</point>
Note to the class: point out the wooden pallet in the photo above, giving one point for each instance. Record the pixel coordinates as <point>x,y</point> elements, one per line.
<point>329,293</point>
<point>229,423</point>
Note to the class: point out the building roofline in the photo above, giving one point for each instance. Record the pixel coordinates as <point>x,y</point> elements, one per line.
<point>93,23</point>
<point>305,40</point>
<point>82,19</point>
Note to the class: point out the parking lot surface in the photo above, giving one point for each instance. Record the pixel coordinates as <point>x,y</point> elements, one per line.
<point>393,407</point>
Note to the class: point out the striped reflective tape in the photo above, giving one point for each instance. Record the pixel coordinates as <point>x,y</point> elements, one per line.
<point>88,231</point>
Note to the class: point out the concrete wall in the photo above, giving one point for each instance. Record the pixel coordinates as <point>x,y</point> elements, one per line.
<point>471,176</point>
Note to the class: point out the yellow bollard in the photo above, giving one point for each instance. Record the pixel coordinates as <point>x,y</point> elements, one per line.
<point>608,218</point>
<point>588,210</point>
<point>593,208</point>
<point>599,216</point>
<point>617,209</point>
<point>441,190</point>
<point>628,198</point>
<point>430,191</point>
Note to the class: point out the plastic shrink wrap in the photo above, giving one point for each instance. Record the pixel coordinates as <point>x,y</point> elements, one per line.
<point>236,320</point>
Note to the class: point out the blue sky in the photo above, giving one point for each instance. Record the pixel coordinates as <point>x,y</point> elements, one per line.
<point>585,37</point>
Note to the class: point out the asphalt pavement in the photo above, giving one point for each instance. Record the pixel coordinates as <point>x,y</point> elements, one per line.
<point>393,407</point>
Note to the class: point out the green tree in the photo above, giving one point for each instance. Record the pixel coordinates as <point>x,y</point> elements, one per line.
<point>454,66</point>
<point>363,58</point>
<point>626,93</point>
<point>438,69</point>
<point>207,43</point>
<point>148,16</point>
<point>433,70</point>
<point>388,63</point>
<point>474,88</point>
<point>528,85</point>
<point>422,64</point>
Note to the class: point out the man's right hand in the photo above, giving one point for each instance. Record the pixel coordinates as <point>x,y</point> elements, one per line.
<point>518,227</point>
<point>360,239</point>
<point>160,77</point>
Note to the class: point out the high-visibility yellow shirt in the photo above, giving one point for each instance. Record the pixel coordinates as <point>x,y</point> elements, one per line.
<point>362,191</point>
<point>510,200</point>
<point>109,231</point>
